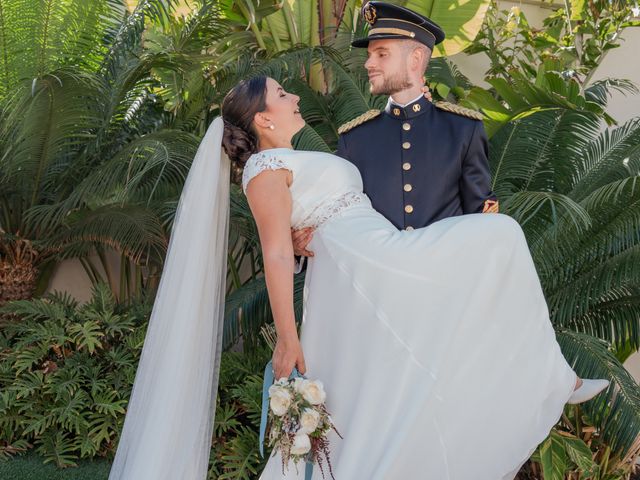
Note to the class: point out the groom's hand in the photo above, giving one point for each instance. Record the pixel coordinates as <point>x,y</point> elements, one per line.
<point>300,240</point>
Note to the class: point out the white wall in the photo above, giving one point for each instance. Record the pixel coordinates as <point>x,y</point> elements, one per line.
<point>623,62</point>
<point>72,278</point>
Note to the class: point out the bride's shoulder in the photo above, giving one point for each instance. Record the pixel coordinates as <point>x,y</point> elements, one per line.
<point>272,159</point>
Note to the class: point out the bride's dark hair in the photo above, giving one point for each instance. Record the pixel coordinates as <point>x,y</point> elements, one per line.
<point>239,106</point>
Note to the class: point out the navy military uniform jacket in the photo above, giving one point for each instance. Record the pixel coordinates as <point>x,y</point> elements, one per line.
<point>421,163</point>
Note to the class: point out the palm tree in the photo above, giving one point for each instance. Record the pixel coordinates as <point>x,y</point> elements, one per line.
<point>89,158</point>
<point>279,25</point>
<point>574,187</point>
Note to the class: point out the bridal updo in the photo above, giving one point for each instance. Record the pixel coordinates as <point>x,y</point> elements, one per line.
<point>240,139</point>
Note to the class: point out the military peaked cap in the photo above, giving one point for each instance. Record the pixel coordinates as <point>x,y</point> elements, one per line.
<point>393,21</point>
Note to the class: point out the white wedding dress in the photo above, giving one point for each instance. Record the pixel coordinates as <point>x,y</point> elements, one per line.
<point>434,345</point>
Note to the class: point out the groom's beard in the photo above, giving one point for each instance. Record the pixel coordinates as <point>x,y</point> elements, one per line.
<point>391,84</point>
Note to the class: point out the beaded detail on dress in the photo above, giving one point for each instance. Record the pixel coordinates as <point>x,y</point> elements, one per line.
<point>324,212</point>
<point>257,163</point>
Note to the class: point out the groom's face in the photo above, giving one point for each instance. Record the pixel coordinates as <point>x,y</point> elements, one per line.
<point>388,67</point>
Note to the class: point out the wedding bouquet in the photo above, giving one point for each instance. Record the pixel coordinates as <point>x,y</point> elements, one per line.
<point>299,422</point>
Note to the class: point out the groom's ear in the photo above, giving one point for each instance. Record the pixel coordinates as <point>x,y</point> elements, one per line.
<point>416,59</point>
<point>420,58</point>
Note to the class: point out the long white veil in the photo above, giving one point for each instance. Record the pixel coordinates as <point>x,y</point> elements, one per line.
<point>169,421</point>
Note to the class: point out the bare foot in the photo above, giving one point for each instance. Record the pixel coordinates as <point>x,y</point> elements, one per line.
<point>578,384</point>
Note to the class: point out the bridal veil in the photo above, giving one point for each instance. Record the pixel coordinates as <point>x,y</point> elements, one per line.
<point>169,420</point>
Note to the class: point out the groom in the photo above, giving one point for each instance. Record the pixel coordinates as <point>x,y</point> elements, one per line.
<point>420,162</point>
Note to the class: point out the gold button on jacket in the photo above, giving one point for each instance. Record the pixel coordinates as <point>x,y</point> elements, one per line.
<point>406,145</point>
<point>409,228</point>
<point>408,209</point>
<point>435,133</point>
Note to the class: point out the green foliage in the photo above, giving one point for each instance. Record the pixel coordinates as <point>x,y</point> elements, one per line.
<point>88,158</point>
<point>235,452</point>
<point>573,41</point>
<point>461,21</point>
<point>113,121</point>
<point>280,25</point>
<point>561,452</point>
<point>65,375</point>
<point>576,449</point>
<point>550,68</point>
<point>573,187</point>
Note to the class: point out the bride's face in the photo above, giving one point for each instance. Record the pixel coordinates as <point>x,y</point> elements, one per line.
<point>282,112</point>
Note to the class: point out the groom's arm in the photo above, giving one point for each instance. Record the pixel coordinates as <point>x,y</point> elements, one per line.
<point>475,182</point>
<point>342,148</point>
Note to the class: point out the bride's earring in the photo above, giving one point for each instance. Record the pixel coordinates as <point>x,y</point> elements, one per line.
<point>272,127</point>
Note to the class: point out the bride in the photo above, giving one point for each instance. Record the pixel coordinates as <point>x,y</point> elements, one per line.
<point>434,345</point>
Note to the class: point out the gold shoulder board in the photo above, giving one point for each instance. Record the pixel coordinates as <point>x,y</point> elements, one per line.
<point>453,108</point>
<point>365,117</point>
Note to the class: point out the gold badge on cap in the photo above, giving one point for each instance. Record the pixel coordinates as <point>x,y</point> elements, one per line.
<point>370,14</point>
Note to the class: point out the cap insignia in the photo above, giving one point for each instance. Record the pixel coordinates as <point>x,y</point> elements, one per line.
<point>370,14</point>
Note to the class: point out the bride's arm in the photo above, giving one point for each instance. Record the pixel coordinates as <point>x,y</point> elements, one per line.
<point>270,201</point>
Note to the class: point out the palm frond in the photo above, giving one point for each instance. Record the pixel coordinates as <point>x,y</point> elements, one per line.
<point>600,91</point>
<point>443,71</point>
<point>613,155</point>
<point>126,36</point>
<point>309,139</point>
<point>247,310</point>
<point>132,230</point>
<point>546,208</point>
<point>41,37</point>
<point>541,152</point>
<point>617,411</point>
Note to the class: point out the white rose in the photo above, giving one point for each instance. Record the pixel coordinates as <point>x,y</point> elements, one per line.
<point>280,400</point>
<point>313,392</point>
<point>309,420</point>
<point>301,444</point>
<point>297,384</point>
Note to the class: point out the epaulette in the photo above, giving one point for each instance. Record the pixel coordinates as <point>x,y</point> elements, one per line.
<point>365,117</point>
<point>453,108</point>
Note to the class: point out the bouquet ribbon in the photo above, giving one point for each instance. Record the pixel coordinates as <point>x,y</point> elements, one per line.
<point>267,382</point>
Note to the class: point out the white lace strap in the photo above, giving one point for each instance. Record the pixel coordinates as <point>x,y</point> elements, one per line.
<point>258,163</point>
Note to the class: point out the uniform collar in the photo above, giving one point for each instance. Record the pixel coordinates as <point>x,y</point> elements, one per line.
<point>410,110</point>
<point>402,105</point>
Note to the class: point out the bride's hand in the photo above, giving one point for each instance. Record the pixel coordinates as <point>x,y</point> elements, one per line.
<point>427,93</point>
<point>300,239</point>
<point>286,355</point>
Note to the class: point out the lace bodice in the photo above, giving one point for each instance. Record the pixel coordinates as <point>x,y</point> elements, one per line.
<point>323,184</point>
